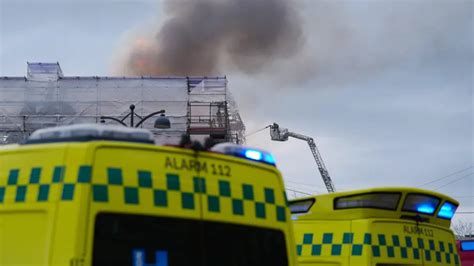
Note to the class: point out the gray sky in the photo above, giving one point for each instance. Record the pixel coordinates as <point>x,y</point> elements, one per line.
<point>385,87</point>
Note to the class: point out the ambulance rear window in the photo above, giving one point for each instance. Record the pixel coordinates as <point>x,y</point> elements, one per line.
<point>421,203</point>
<point>124,239</point>
<point>387,201</point>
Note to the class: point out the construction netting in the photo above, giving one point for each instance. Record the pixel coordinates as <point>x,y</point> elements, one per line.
<point>27,104</point>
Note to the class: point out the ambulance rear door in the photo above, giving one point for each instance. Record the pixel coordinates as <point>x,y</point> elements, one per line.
<point>400,242</point>
<point>246,221</point>
<point>144,207</point>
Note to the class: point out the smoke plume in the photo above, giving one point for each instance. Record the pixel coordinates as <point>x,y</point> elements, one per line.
<point>199,37</point>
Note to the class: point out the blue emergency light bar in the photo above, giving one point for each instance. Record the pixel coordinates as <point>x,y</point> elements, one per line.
<point>244,152</point>
<point>447,210</point>
<point>268,158</point>
<point>425,208</point>
<point>421,203</point>
<point>253,154</point>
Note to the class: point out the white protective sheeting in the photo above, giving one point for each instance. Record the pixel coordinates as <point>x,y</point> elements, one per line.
<point>29,104</point>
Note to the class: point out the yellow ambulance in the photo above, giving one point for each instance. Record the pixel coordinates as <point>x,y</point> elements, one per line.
<point>379,227</point>
<point>102,195</point>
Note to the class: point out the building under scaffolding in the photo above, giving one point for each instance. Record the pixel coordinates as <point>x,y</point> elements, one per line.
<point>199,106</point>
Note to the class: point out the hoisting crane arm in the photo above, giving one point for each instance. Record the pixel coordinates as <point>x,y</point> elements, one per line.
<point>282,134</point>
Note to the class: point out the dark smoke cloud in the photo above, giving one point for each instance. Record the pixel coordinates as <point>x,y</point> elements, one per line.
<point>199,37</point>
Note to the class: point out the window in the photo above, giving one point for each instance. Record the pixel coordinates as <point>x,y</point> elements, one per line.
<point>121,239</point>
<point>117,236</point>
<point>388,201</point>
<point>237,245</point>
<point>301,206</point>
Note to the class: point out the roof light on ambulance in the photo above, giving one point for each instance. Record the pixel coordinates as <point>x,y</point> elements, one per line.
<point>89,132</point>
<point>423,208</point>
<point>243,152</point>
<point>268,158</point>
<point>254,155</point>
<point>447,210</point>
<point>421,203</point>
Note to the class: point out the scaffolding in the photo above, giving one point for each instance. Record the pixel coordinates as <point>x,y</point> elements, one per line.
<point>212,111</point>
<point>199,106</point>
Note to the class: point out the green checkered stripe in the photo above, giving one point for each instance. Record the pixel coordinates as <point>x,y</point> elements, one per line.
<point>379,245</point>
<point>18,185</point>
<point>173,184</point>
<point>21,183</point>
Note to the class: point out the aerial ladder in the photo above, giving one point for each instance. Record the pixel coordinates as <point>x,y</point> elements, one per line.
<point>282,134</point>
